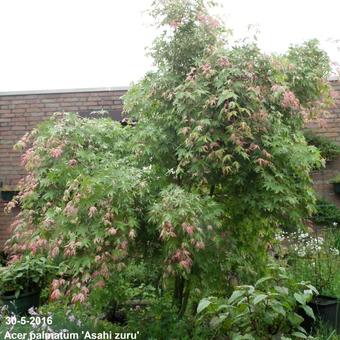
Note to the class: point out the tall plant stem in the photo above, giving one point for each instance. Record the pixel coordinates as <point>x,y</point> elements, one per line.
<point>185,299</point>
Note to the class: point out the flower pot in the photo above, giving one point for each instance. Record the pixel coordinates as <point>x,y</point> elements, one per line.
<point>336,187</point>
<point>22,303</point>
<point>325,308</point>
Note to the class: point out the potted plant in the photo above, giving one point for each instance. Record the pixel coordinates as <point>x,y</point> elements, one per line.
<point>21,283</point>
<point>336,183</point>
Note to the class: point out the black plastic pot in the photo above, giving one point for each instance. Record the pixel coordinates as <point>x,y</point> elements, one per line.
<point>22,303</point>
<point>326,309</point>
<point>336,187</point>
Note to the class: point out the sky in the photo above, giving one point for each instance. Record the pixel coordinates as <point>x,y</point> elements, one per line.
<point>65,44</point>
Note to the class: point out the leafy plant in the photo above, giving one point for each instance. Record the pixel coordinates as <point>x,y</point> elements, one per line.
<point>336,179</point>
<point>159,320</point>
<point>196,189</point>
<point>327,214</point>
<point>324,332</point>
<point>24,275</point>
<point>314,258</point>
<point>329,150</point>
<point>267,309</point>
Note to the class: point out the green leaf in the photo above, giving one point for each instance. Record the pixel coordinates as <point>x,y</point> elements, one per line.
<point>243,337</point>
<point>300,298</point>
<point>226,94</point>
<point>278,308</point>
<point>300,335</point>
<point>263,279</point>
<point>309,311</point>
<point>203,304</point>
<point>295,319</point>
<point>235,295</point>
<point>282,290</point>
<point>312,288</point>
<point>216,320</point>
<point>259,298</point>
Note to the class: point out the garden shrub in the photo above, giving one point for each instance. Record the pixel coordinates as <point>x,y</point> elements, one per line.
<point>25,276</point>
<point>327,214</point>
<point>197,189</point>
<point>263,311</point>
<point>160,320</point>
<point>329,150</point>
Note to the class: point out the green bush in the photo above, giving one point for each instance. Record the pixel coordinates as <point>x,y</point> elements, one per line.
<point>327,214</point>
<point>159,320</point>
<point>329,150</point>
<point>263,311</point>
<point>315,258</point>
<point>195,190</point>
<point>27,274</point>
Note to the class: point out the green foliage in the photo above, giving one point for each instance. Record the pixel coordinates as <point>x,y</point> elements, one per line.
<point>267,309</point>
<point>315,258</point>
<point>185,221</point>
<point>25,275</point>
<point>192,24</point>
<point>308,66</point>
<point>160,320</point>
<point>86,226</point>
<point>137,282</point>
<point>324,332</point>
<point>194,191</point>
<point>327,214</point>
<point>336,179</point>
<point>329,150</point>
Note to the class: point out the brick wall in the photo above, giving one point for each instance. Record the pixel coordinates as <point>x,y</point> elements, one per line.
<point>331,130</point>
<point>321,181</point>
<point>21,112</point>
